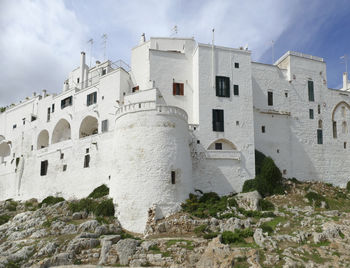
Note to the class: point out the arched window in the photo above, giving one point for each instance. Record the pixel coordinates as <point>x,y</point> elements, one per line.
<point>344,127</point>
<point>43,139</point>
<point>89,126</point>
<point>61,132</point>
<point>222,144</point>
<point>320,124</point>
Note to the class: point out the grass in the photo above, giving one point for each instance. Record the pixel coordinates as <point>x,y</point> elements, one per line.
<point>4,218</point>
<point>321,244</point>
<point>314,256</point>
<point>238,236</point>
<point>270,226</point>
<point>100,191</point>
<point>179,243</point>
<point>11,205</point>
<point>316,199</point>
<point>156,250</point>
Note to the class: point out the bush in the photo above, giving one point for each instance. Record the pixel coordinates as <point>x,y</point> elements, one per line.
<point>259,158</point>
<point>249,185</point>
<point>266,228</point>
<point>199,230</point>
<point>100,191</point>
<point>209,197</point>
<point>4,218</point>
<point>11,205</point>
<point>316,199</point>
<point>210,235</point>
<point>51,200</point>
<point>348,186</point>
<point>105,208</point>
<point>269,181</point>
<point>85,204</point>
<point>238,236</point>
<point>266,205</point>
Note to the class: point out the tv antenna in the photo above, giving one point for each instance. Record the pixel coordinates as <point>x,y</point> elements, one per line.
<point>104,38</point>
<point>91,41</point>
<point>345,58</point>
<point>273,51</point>
<point>174,31</point>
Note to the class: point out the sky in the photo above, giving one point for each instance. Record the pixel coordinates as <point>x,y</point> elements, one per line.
<point>41,40</point>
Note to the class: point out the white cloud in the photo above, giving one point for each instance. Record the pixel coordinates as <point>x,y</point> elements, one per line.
<point>40,42</point>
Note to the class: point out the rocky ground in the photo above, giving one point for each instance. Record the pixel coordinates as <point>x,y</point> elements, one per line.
<point>303,230</point>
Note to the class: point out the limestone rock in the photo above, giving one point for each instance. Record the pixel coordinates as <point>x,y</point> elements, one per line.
<point>126,248</point>
<point>88,226</point>
<point>248,201</point>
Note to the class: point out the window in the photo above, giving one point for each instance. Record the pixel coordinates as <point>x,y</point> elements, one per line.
<point>173,177</point>
<point>263,129</point>
<point>105,125</point>
<point>222,86</point>
<point>33,118</point>
<point>235,90</point>
<point>53,108</point>
<point>318,109</point>
<point>104,71</point>
<point>64,168</point>
<point>218,146</point>
<point>237,123</point>
<point>310,85</point>
<point>66,102</point>
<point>48,114</point>
<point>269,98</point>
<point>334,129</point>
<point>14,126</point>
<point>236,65</point>
<point>344,127</point>
<point>320,123</point>
<point>87,161</point>
<point>319,136</point>
<point>311,113</point>
<point>87,150</point>
<point>31,147</point>
<point>178,89</point>
<point>61,155</point>
<point>198,142</point>
<point>78,80</point>
<point>24,121</point>
<point>135,89</point>
<point>218,120</point>
<point>344,144</point>
<point>286,95</point>
<point>91,98</point>
<point>43,167</point>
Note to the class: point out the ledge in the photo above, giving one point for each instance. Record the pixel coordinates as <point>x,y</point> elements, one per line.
<point>223,154</point>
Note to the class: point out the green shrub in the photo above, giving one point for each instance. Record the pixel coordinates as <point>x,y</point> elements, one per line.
<point>238,236</point>
<point>209,204</point>
<point>249,185</point>
<point>199,230</point>
<point>266,205</point>
<point>269,181</point>
<point>266,228</point>
<point>211,235</point>
<point>4,218</point>
<point>51,200</point>
<point>316,199</point>
<point>295,180</point>
<point>11,205</point>
<point>85,204</point>
<point>232,202</point>
<point>256,214</point>
<point>2,109</point>
<point>105,208</point>
<point>100,191</point>
<point>259,158</point>
<point>348,186</point>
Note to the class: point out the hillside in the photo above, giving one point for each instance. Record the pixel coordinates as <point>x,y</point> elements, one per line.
<point>309,226</point>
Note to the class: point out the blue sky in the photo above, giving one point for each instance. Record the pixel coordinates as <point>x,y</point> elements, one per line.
<point>40,41</point>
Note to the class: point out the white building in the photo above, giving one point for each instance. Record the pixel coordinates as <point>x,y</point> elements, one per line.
<point>185,116</point>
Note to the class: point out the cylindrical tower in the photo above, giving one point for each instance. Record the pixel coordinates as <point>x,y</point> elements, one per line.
<point>153,164</point>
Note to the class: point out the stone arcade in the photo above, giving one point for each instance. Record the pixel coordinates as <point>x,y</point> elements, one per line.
<point>184,116</point>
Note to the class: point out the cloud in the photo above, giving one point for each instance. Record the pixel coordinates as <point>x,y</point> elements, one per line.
<point>40,41</point>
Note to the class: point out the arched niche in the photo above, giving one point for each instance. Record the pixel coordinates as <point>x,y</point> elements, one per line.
<point>43,139</point>
<point>225,145</point>
<point>342,104</point>
<point>61,132</point>
<point>5,149</point>
<point>88,127</point>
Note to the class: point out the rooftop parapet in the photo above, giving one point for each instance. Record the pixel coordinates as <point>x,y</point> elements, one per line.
<point>298,54</point>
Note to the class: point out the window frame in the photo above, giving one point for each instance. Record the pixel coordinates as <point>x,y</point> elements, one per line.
<point>91,98</point>
<point>269,98</point>
<point>218,120</point>
<point>44,167</point>
<point>235,90</point>
<point>222,86</point>
<point>311,114</point>
<point>178,89</point>
<point>66,102</point>
<point>311,91</point>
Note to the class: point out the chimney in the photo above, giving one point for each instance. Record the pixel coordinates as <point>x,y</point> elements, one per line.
<point>82,69</point>
<point>142,39</point>
<point>345,81</point>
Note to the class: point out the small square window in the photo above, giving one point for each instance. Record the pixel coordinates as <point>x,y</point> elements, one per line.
<point>235,90</point>
<point>14,126</point>
<point>236,64</point>
<point>64,168</point>
<point>178,89</point>
<point>218,146</point>
<point>173,177</point>
<point>311,113</point>
<point>237,123</point>
<point>61,155</point>
<point>87,161</point>
<point>263,129</point>
<point>87,150</point>
<point>198,141</point>
<point>43,167</point>
<point>286,95</point>
<point>278,151</point>
<point>270,98</point>
<point>104,71</point>
<point>135,89</point>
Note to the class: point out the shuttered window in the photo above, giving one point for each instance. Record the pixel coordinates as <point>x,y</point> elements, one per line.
<point>270,98</point>
<point>319,136</point>
<point>87,161</point>
<point>311,113</point>
<point>335,129</point>
<point>43,167</point>
<point>66,102</point>
<point>235,90</point>
<point>91,98</point>
<point>218,120</point>
<point>222,86</point>
<point>311,90</point>
<point>178,89</point>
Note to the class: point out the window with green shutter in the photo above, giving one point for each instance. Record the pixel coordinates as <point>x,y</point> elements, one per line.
<point>311,90</point>
<point>319,136</point>
<point>222,86</point>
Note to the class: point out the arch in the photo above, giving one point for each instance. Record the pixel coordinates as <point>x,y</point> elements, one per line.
<point>88,127</point>
<point>336,107</point>
<point>226,145</point>
<point>61,132</point>
<point>43,139</point>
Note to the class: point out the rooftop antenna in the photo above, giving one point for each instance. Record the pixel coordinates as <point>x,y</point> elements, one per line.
<point>174,31</point>
<point>345,58</point>
<point>273,51</point>
<point>91,41</point>
<point>212,59</point>
<point>104,38</point>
